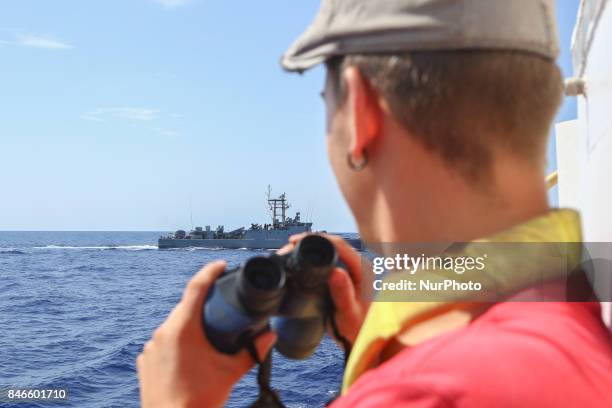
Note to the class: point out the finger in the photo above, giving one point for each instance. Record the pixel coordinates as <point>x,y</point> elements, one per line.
<point>140,362</point>
<point>349,256</point>
<point>342,290</point>
<point>286,249</point>
<point>148,346</point>
<point>140,368</point>
<point>198,287</point>
<point>294,239</point>
<point>263,345</point>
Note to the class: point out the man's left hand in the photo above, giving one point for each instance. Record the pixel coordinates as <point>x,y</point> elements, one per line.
<point>179,367</point>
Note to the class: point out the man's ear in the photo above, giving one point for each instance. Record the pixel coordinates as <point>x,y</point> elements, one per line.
<point>364,112</point>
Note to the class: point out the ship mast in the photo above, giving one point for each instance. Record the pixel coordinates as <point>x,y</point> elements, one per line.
<point>277,205</point>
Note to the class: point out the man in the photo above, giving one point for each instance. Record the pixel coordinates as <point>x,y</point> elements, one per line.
<point>438,113</point>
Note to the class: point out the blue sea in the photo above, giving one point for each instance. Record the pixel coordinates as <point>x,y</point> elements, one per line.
<point>77,307</point>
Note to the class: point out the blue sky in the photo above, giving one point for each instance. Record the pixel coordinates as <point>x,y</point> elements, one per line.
<point>124,114</point>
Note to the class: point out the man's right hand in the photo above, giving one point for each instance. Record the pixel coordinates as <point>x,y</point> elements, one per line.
<point>345,286</point>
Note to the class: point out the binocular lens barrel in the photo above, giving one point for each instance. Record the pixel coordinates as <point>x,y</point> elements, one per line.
<point>260,286</point>
<point>241,303</point>
<point>289,291</point>
<point>316,256</point>
<point>315,250</point>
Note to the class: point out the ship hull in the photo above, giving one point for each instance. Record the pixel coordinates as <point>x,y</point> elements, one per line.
<point>220,243</point>
<point>169,243</point>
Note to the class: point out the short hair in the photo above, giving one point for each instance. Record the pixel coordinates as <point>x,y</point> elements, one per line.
<point>463,104</point>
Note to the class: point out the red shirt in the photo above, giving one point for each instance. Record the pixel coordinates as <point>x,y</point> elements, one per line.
<point>516,354</point>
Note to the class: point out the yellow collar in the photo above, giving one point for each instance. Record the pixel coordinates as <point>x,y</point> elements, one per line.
<point>386,320</point>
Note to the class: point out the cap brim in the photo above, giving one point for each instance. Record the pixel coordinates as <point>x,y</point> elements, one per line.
<point>395,27</point>
<point>292,63</point>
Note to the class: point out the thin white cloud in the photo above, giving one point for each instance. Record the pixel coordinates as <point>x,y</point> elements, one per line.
<point>38,41</point>
<point>167,132</point>
<point>137,114</point>
<point>170,4</point>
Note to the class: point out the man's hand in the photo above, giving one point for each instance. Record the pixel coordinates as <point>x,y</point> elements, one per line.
<point>345,287</point>
<point>179,367</point>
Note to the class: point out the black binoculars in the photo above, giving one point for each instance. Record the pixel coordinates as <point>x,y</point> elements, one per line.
<point>287,292</point>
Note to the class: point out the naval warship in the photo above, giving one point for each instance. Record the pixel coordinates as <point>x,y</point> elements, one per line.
<point>267,236</point>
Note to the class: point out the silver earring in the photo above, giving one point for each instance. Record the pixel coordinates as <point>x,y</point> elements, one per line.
<point>357,166</point>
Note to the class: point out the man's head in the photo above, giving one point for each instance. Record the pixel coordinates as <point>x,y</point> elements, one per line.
<point>420,116</point>
<point>462,105</point>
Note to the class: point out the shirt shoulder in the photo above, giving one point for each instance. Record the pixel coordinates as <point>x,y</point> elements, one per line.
<point>519,354</point>
<point>395,392</point>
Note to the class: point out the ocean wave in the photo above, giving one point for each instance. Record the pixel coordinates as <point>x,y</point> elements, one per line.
<point>91,268</point>
<point>103,248</point>
<point>86,314</point>
<point>12,251</point>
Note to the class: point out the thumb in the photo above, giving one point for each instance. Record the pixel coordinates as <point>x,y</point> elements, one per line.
<point>342,290</point>
<point>199,285</point>
<point>264,343</point>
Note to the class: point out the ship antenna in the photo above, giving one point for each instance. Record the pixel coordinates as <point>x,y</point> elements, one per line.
<point>191,214</point>
<point>269,203</point>
<point>284,206</point>
<point>308,219</point>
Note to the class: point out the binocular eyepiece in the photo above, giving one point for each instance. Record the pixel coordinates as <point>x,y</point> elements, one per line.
<point>288,292</point>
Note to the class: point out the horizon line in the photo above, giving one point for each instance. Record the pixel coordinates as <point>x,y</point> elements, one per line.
<point>334,232</point>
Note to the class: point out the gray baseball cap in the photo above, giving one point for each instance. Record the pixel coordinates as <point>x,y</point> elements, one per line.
<point>391,26</point>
